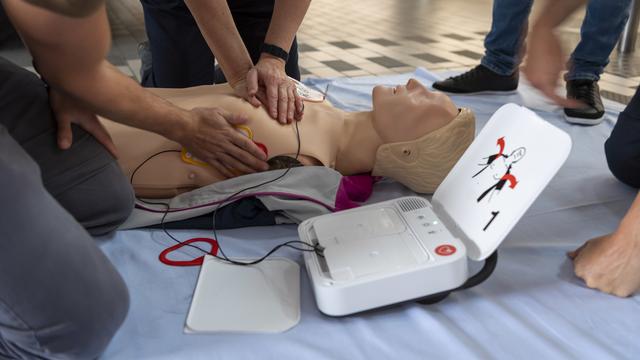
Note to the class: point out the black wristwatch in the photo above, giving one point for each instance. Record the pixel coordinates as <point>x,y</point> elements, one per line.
<point>275,51</point>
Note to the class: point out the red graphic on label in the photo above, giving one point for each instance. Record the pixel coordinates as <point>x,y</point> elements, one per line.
<point>445,250</point>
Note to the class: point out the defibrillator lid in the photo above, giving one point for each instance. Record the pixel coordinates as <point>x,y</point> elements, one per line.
<point>500,175</point>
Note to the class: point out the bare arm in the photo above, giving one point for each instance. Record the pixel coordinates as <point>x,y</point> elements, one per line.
<point>611,263</point>
<point>277,91</point>
<point>555,12</point>
<point>70,54</point>
<point>267,83</point>
<point>285,22</point>
<point>545,58</point>
<point>72,60</point>
<point>73,8</point>
<point>216,24</point>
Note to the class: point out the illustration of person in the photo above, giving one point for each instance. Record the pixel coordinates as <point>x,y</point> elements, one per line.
<point>501,165</point>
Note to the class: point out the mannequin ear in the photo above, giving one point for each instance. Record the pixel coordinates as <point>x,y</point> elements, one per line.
<point>517,154</point>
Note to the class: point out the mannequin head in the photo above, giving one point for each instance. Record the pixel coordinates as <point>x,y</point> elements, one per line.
<point>408,111</point>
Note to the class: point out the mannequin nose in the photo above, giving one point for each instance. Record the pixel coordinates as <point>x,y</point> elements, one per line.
<point>415,85</point>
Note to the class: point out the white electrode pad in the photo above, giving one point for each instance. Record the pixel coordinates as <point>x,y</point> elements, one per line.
<point>499,176</point>
<point>307,93</point>
<point>261,298</point>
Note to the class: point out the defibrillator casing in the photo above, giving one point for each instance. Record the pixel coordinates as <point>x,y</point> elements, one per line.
<point>409,248</point>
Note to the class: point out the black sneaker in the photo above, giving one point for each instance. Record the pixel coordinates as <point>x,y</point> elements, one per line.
<point>587,92</point>
<point>479,80</point>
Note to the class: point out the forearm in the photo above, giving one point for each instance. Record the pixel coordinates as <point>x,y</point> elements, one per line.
<point>72,60</point>
<point>555,12</point>
<point>632,218</point>
<point>285,22</point>
<point>111,94</point>
<point>216,24</point>
<point>73,8</point>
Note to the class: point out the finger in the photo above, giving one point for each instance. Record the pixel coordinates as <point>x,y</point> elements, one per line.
<point>272,98</point>
<point>300,114</point>
<point>248,152</point>
<point>236,119</point>
<point>291,109</point>
<point>231,119</point>
<point>221,168</point>
<point>252,82</point>
<point>262,97</point>
<point>565,102</point>
<point>299,106</point>
<point>283,103</point>
<point>65,136</point>
<point>97,130</point>
<point>235,165</point>
<point>573,254</point>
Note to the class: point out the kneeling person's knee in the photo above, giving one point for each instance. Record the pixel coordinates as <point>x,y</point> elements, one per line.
<point>102,202</point>
<point>622,150</point>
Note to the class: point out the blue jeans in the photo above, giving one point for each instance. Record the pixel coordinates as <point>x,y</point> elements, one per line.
<point>600,31</point>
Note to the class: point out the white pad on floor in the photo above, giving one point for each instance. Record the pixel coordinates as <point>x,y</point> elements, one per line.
<point>261,298</point>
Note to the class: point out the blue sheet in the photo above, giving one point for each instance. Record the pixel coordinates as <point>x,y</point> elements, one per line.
<point>531,308</point>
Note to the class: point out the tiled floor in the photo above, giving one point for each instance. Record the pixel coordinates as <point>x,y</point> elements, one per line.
<point>374,37</point>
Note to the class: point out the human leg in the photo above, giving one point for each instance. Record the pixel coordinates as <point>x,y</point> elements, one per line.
<point>498,69</point>
<point>180,57</point>
<point>60,297</point>
<point>85,179</point>
<point>600,31</point>
<point>623,146</point>
<point>508,29</point>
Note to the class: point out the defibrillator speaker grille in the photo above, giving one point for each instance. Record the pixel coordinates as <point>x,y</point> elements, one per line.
<point>412,204</point>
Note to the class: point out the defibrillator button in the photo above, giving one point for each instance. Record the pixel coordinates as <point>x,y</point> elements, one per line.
<point>445,250</point>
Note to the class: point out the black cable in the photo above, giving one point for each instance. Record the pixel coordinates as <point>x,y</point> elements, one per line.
<point>289,244</point>
<point>166,205</point>
<point>215,212</point>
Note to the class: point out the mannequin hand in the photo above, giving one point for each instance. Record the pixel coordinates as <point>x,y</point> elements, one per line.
<point>66,112</point>
<point>611,263</point>
<point>545,62</point>
<point>269,84</point>
<point>212,138</point>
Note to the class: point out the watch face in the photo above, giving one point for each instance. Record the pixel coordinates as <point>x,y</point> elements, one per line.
<point>307,93</point>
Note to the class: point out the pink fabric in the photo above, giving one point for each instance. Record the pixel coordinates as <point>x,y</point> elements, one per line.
<point>353,190</point>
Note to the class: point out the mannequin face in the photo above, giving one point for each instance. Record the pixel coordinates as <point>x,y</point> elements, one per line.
<point>407,112</point>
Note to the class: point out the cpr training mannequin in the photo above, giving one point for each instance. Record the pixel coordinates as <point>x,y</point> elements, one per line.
<point>412,135</point>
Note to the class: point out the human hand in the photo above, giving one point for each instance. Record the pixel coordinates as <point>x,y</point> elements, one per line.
<point>545,62</point>
<point>67,111</point>
<point>611,263</point>
<point>212,138</point>
<point>267,83</point>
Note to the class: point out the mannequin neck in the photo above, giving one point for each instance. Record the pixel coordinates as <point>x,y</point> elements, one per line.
<point>359,144</point>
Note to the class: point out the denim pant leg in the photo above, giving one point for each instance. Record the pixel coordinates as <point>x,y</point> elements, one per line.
<point>623,146</point>
<point>600,31</point>
<point>503,44</point>
<point>60,297</point>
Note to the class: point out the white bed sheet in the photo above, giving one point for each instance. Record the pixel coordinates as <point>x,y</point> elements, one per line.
<point>531,308</point>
